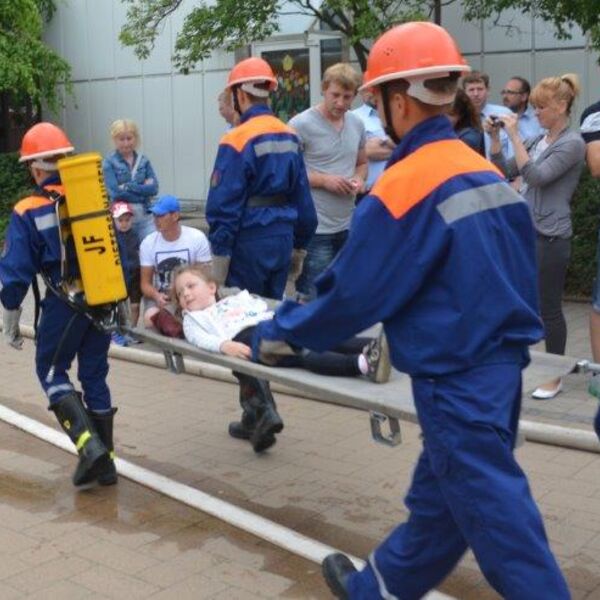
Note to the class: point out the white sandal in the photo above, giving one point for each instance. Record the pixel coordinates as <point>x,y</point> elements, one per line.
<point>543,394</point>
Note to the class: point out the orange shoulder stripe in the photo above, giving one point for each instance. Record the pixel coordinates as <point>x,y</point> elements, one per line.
<point>239,136</point>
<point>30,203</point>
<point>412,179</point>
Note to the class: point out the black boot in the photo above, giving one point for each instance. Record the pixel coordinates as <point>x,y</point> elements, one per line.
<point>336,570</point>
<point>257,402</point>
<point>268,420</point>
<point>103,422</point>
<point>243,429</point>
<point>93,455</point>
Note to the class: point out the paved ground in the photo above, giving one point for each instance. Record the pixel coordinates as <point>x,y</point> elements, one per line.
<point>325,478</point>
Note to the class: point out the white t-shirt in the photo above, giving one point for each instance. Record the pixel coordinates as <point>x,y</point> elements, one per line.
<point>209,328</point>
<point>190,247</point>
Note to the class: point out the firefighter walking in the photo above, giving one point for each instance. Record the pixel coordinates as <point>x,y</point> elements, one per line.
<point>442,252</point>
<point>32,246</point>
<point>261,217</point>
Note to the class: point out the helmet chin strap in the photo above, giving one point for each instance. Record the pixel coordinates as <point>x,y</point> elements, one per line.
<point>236,102</point>
<point>389,127</point>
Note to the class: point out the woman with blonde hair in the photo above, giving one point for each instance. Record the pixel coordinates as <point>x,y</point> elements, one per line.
<point>129,176</point>
<point>549,165</point>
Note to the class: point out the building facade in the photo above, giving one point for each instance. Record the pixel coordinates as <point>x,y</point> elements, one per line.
<point>177,114</point>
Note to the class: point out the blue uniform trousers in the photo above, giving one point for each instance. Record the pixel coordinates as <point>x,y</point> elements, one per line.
<point>83,341</point>
<point>260,260</point>
<point>597,424</point>
<point>467,491</point>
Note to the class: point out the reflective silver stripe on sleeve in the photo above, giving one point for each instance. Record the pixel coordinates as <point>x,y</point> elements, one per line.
<point>63,387</point>
<point>275,147</point>
<point>475,200</point>
<point>383,591</point>
<point>46,222</point>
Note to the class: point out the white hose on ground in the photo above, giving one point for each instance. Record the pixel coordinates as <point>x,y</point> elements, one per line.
<point>267,530</point>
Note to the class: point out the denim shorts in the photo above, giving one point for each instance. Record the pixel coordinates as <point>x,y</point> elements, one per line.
<point>596,289</point>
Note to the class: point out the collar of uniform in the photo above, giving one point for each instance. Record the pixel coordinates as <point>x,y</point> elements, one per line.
<point>255,111</point>
<point>431,130</point>
<point>53,179</point>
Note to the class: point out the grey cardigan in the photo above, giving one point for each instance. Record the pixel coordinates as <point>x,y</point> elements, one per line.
<point>551,180</point>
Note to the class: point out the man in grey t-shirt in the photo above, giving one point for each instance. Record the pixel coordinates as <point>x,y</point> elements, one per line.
<point>333,142</point>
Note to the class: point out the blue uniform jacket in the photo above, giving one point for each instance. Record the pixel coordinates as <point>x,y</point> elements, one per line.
<point>31,244</point>
<point>442,252</point>
<point>117,173</point>
<point>260,157</point>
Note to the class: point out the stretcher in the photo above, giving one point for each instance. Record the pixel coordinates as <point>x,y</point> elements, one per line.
<point>387,403</point>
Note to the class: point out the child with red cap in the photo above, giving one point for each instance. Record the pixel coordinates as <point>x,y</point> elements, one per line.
<point>129,243</point>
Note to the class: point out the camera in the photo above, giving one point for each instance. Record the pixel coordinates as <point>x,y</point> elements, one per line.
<point>496,122</point>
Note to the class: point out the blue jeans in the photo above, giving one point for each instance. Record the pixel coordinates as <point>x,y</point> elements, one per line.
<point>321,251</point>
<point>596,288</point>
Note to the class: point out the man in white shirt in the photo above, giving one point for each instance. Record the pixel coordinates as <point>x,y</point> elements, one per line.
<point>477,86</point>
<point>171,245</point>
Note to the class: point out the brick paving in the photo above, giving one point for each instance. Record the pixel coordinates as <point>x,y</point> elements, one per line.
<point>325,478</point>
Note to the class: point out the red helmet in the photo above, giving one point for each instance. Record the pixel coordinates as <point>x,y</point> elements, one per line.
<point>252,70</point>
<point>413,50</point>
<point>44,140</point>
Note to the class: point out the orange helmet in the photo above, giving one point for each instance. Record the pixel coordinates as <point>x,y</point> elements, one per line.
<point>44,140</point>
<point>252,70</point>
<point>413,50</point>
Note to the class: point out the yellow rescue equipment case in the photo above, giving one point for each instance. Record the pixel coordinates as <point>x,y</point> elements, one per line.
<point>89,222</point>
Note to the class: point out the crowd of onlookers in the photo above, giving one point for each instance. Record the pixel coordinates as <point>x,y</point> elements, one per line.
<point>529,138</point>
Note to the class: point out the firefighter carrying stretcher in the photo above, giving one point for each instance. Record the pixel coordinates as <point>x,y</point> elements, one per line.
<point>34,244</point>
<point>442,252</point>
<point>261,217</point>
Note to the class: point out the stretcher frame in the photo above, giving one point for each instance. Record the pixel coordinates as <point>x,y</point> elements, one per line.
<point>387,403</point>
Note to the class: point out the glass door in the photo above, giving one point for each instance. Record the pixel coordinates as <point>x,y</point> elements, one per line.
<point>299,67</point>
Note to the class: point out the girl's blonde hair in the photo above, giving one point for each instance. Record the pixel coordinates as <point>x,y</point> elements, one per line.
<point>121,126</point>
<point>565,88</point>
<point>200,270</point>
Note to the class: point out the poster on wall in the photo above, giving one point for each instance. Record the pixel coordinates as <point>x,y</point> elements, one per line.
<point>293,76</point>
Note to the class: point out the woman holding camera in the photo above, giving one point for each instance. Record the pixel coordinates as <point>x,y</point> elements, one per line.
<point>549,166</point>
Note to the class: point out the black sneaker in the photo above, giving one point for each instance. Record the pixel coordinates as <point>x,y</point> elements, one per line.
<point>377,354</point>
<point>336,569</point>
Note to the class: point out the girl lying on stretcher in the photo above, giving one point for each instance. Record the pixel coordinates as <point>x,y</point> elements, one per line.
<point>226,326</point>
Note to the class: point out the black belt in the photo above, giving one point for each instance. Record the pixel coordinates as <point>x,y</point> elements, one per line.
<point>265,201</point>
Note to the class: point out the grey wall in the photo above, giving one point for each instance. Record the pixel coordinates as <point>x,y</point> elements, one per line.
<point>177,115</point>
<point>521,45</point>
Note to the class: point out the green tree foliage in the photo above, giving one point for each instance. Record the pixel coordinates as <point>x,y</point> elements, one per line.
<point>585,209</point>
<point>229,24</point>
<point>28,67</point>
<point>15,183</point>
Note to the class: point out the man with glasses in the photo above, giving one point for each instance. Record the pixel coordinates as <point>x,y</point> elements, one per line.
<point>515,96</point>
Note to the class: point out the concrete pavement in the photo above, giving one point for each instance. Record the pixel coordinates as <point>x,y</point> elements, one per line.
<point>324,478</point>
